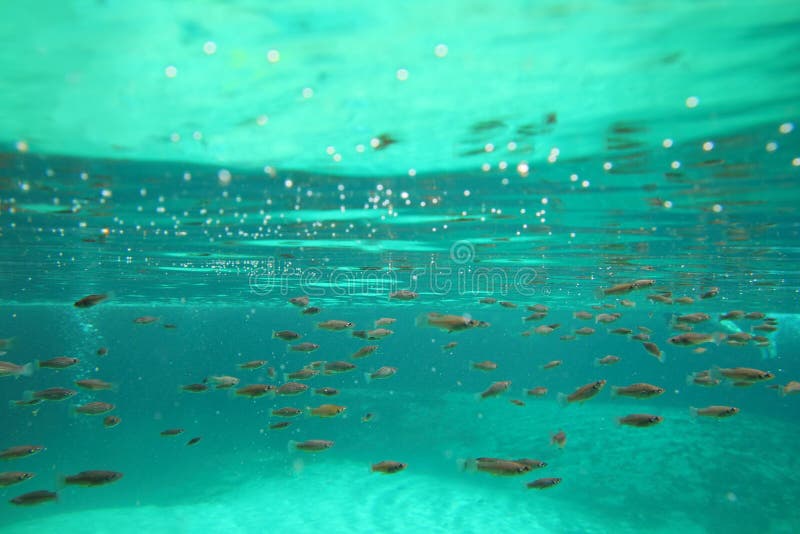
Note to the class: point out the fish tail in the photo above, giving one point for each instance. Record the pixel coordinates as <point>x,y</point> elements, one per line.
<point>61,482</point>
<point>470,465</point>
<point>614,391</point>
<point>597,362</point>
<point>599,293</point>
<point>292,445</point>
<point>690,379</point>
<point>693,411</point>
<point>367,378</point>
<point>27,395</point>
<point>563,399</point>
<point>782,391</point>
<point>662,357</point>
<point>716,373</point>
<point>27,369</point>
<point>308,411</point>
<point>718,337</point>
<point>478,396</point>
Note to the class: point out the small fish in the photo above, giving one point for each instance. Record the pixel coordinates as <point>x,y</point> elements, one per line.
<point>302,374</point>
<point>693,318</point>
<point>94,384</point>
<point>663,298</point>
<point>326,391</point>
<point>145,319</point>
<point>291,388</point>
<point>684,300</point>
<point>311,445</point>
<point>641,336</point>
<point>9,478</point>
<point>193,441</point>
<point>222,382</point>
<point>286,335</point>
<point>607,360</point>
<point>450,346</point>
<point>517,402</point>
<point>755,316</point>
<point>640,420</point>
<point>583,393</point>
<point>585,331</point>
<point>90,300</point>
<point>732,315</point>
<point>12,369</point>
<point>495,389</point>
<point>653,349</point>
<point>792,387</point>
<point>364,351</point>
<point>20,451</point>
<point>287,411</point>
<point>381,373</point>
<point>253,364</point>
<point>311,310</point>
<point>300,302</point>
<point>543,483</point>
<point>487,300</point>
<point>627,303</point>
<point>765,328</point>
<point>194,388</point>
<point>254,391</point>
<point>453,323</point>
<point>535,316</point>
<point>54,394</point>
<point>559,439</point>
<point>367,417</point>
<point>495,466</point>
<point>403,294</point>
<point>539,391</point>
<point>744,374</point>
<point>102,351</point>
<point>170,326</point>
<point>25,402</point>
<point>94,408</point>
<point>710,293</point>
<point>690,339</point>
<point>388,467</point>
<point>583,315</point>
<point>385,321</point>
<point>715,411</point>
<point>59,362</point>
<point>334,325</point>
<point>326,410</point>
<point>170,432</point>
<point>110,421</point>
<point>545,329</point>
<point>34,497</point>
<point>627,287</point>
<point>541,308</point>
<point>92,478</point>
<point>338,367</point>
<point>552,364</point>
<point>509,305</point>
<point>637,391</point>
<point>607,318</point>
<point>377,333</point>
<point>280,425</point>
<point>485,365</point>
<point>305,346</point>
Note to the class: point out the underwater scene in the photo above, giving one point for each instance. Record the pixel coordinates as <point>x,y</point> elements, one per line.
<point>400,266</point>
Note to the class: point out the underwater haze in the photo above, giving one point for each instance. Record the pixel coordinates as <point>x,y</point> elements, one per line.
<point>399,267</point>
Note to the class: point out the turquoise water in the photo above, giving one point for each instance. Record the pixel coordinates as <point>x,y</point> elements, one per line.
<point>202,163</point>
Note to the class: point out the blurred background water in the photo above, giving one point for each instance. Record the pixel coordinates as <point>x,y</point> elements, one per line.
<point>204,162</point>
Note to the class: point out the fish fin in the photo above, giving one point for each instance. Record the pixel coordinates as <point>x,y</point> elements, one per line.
<point>562,399</point>
<point>27,369</point>
<point>693,411</point>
